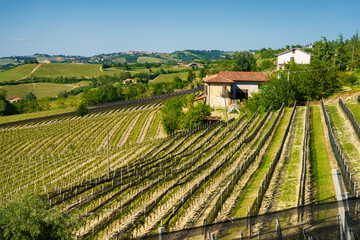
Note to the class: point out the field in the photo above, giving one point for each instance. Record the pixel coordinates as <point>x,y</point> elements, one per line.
<point>169,77</point>
<point>148,59</point>
<point>17,73</point>
<point>40,89</point>
<point>208,174</point>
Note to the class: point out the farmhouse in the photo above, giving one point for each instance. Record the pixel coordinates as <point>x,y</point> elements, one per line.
<point>129,80</point>
<point>295,54</point>
<point>225,87</point>
<point>14,99</point>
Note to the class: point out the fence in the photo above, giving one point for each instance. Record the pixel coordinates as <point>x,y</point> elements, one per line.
<point>301,199</point>
<point>265,183</point>
<point>351,117</point>
<point>108,106</point>
<point>344,168</point>
<point>322,223</point>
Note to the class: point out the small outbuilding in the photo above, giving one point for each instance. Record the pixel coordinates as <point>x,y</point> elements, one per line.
<point>226,87</point>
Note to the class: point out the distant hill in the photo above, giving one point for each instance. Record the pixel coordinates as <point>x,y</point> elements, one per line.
<point>129,57</point>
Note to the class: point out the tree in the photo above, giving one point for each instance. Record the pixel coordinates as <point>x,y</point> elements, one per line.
<point>31,217</point>
<point>81,110</point>
<point>274,92</point>
<point>266,65</point>
<point>342,56</point>
<point>195,116</point>
<point>351,79</point>
<point>171,112</point>
<point>202,73</point>
<point>126,66</point>
<point>244,61</point>
<point>178,83</point>
<point>191,76</point>
<point>30,97</point>
<point>323,51</point>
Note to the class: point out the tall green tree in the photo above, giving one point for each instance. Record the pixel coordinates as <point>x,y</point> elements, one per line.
<point>171,113</point>
<point>31,217</point>
<point>323,51</point>
<point>342,53</point>
<point>244,61</point>
<point>191,76</point>
<point>30,97</point>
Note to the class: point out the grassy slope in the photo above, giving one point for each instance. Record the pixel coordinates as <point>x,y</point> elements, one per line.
<point>40,89</point>
<point>17,72</point>
<point>6,119</point>
<point>6,61</point>
<point>289,191</point>
<point>54,70</point>
<point>149,60</point>
<point>169,77</point>
<point>249,195</point>
<point>344,131</point>
<point>355,109</point>
<point>321,170</point>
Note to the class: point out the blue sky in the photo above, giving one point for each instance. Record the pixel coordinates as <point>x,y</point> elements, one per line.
<point>79,27</point>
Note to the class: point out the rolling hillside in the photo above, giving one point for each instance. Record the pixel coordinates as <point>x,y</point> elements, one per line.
<point>257,164</point>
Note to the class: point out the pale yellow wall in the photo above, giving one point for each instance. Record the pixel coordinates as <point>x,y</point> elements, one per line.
<point>214,98</point>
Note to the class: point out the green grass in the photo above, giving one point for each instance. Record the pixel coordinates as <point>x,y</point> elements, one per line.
<point>149,60</point>
<point>355,109</point>
<point>6,61</point>
<point>289,191</point>
<point>346,137</point>
<point>54,70</point>
<point>169,77</point>
<point>17,73</point>
<point>321,170</point>
<point>249,195</point>
<point>40,89</point>
<point>18,117</point>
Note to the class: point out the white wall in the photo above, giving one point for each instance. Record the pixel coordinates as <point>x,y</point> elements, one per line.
<point>252,87</point>
<point>300,57</point>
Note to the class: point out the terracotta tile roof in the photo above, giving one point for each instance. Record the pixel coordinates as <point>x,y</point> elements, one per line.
<point>199,98</point>
<point>234,76</point>
<point>217,79</point>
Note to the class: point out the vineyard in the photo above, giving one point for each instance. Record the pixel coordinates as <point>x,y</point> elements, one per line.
<point>125,177</point>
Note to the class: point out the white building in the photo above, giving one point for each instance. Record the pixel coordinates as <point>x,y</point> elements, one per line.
<point>296,54</point>
<point>231,85</point>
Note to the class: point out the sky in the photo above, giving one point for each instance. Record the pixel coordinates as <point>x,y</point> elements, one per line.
<point>87,27</point>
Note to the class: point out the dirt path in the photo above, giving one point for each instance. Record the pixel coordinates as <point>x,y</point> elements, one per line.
<point>26,76</point>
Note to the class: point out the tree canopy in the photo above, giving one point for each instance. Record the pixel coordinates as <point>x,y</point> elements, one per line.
<point>31,217</point>
<point>244,61</point>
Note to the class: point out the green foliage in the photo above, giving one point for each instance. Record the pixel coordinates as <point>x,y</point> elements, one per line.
<point>30,97</point>
<point>202,73</point>
<point>178,83</point>
<point>244,61</point>
<point>191,76</point>
<point>305,82</point>
<point>266,65</point>
<point>31,217</point>
<point>171,113</point>
<point>195,116</point>
<point>274,92</point>
<point>351,79</point>
<point>81,110</point>
<point>253,102</point>
<point>174,118</point>
<point>323,50</point>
